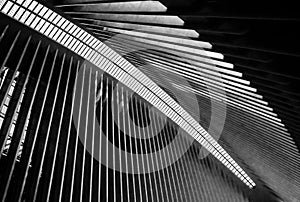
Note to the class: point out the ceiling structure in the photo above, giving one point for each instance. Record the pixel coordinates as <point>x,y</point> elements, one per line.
<point>229,65</point>
<point>260,41</point>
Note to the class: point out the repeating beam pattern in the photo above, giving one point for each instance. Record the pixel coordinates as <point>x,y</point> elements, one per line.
<point>59,29</point>
<point>255,117</point>
<point>57,166</point>
<point>47,161</point>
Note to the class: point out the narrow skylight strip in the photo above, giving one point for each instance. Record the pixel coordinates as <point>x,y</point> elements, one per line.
<point>152,19</point>
<point>128,6</point>
<point>186,121</point>
<point>182,41</point>
<point>147,28</point>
